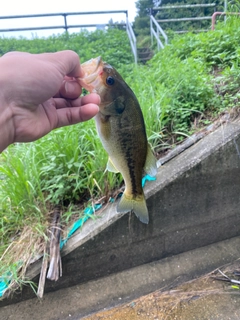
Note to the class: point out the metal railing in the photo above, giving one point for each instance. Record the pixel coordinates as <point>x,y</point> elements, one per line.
<point>185,19</point>
<point>205,5</point>
<point>66,26</point>
<point>214,16</point>
<point>156,34</point>
<point>132,39</point>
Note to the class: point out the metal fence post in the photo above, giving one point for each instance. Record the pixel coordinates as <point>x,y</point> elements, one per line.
<point>65,22</point>
<point>151,27</point>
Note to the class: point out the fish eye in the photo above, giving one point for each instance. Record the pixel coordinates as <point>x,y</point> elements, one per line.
<point>110,81</point>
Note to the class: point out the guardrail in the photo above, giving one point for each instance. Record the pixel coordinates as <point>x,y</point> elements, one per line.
<point>184,6</point>
<point>132,39</point>
<point>66,26</point>
<point>218,13</point>
<point>185,19</point>
<point>204,5</point>
<point>159,31</point>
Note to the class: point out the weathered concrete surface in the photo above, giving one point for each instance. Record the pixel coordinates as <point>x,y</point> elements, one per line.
<point>115,289</point>
<point>194,203</point>
<point>203,298</point>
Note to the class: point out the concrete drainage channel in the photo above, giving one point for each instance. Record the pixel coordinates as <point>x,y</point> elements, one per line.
<point>194,228</point>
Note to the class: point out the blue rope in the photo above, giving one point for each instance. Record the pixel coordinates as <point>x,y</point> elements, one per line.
<point>4,283</point>
<point>147,178</point>
<point>79,223</point>
<point>89,211</point>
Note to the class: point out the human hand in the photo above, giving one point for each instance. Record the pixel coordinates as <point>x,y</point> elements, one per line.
<point>39,93</point>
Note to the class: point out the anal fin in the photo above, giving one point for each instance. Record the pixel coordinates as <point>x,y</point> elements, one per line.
<point>150,166</point>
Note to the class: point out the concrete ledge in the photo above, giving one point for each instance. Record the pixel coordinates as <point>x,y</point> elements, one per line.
<point>194,203</point>
<point>81,300</point>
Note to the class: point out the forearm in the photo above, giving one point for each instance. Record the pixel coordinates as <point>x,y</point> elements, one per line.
<point>6,133</point>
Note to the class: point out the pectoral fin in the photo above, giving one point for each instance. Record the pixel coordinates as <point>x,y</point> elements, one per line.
<point>114,108</point>
<point>111,167</point>
<point>137,205</point>
<point>150,166</point>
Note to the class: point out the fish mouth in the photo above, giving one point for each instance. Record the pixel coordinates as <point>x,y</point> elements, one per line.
<point>91,72</point>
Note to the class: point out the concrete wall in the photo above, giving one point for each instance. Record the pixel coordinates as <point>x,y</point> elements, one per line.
<point>194,202</point>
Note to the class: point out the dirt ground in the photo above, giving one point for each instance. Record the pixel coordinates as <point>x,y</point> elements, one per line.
<point>202,299</point>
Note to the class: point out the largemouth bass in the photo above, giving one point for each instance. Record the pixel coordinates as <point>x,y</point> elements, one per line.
<point>121,128</point>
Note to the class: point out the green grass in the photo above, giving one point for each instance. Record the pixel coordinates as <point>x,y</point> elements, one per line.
<point>195,77</point>
<point>66,168</point>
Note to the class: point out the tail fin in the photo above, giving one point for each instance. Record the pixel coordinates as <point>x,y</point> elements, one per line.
<point>136,204</point>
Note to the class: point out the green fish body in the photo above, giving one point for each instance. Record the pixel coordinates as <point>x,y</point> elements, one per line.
<point>121,128</point>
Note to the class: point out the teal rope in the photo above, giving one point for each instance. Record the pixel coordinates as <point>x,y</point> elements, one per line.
<point>4,283</point>
<point>79,223</point>
<point>89,211</point>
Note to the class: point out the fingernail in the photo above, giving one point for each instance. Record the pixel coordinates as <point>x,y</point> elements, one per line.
<point>69,87</point>
<point>99,99</point>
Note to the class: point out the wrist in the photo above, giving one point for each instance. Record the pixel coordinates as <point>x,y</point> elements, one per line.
<point>6,132</point>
